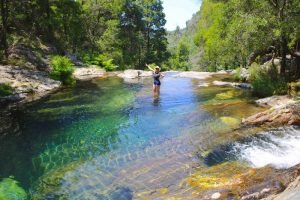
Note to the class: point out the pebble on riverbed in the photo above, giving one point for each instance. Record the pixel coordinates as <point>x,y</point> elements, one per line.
<point>216,196</point>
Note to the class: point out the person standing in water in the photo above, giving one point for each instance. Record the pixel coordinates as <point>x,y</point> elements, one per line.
<point>156,74</point>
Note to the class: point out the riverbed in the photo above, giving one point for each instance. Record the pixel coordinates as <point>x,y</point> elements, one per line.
<point>112,139</point>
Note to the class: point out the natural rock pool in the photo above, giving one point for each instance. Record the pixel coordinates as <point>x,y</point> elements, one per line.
<point>110,139</point>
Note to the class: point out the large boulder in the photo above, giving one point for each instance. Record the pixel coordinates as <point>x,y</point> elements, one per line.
<point>276,63</point>
<point>244,74</point>
<point>279,116</point>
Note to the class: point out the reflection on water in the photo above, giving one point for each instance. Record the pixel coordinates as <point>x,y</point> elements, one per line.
<point>107,139</point>
<point>156,100</point>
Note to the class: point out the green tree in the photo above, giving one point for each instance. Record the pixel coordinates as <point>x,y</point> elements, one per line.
<point>4,16</point>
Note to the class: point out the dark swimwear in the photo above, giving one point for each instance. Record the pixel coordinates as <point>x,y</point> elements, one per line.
<point>156,79</point>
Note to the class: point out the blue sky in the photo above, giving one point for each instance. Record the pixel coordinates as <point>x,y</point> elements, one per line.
<point>179,11</point>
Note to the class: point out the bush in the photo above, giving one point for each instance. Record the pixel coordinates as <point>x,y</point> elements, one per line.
<point>267,82</point>
<point>99,60</point>
<point>165,67</point>
<point>10,190</point>
<point>62,69</point>
<point>237,74</point>
<point>5,90</point>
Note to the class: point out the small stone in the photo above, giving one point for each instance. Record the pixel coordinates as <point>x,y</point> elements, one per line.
<point>265,191</point>
<point>253,196</point>
<point>216,195</point>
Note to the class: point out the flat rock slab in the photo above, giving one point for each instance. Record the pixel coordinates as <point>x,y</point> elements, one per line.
<point>275,101</point>
<point>88,73</point>
<point>133,74</point>
<point>233,84</point>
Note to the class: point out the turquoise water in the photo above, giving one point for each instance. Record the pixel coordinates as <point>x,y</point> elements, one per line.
<point>109,139</point>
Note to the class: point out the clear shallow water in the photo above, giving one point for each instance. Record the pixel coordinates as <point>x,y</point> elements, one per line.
<point>108,139</point>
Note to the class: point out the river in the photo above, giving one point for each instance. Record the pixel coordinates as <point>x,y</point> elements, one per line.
<point>110,139</point>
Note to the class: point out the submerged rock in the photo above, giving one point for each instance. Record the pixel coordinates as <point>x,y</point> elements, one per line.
<point>279,116</point>
<point>231,94</point>
<point>230,121</point>
<point>232,180</point>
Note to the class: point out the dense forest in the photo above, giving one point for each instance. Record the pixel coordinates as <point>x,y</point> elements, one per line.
<point>234,33</point>
<point>127,33</point>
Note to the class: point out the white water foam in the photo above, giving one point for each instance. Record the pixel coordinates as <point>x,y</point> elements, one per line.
<point>279,148</point>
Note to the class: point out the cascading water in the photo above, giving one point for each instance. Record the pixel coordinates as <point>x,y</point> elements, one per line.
<point>278,147</point>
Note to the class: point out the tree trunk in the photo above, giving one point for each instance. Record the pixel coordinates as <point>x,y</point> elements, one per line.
<point>48,17</point>
<point>4,14</point>
<point>283,49</point>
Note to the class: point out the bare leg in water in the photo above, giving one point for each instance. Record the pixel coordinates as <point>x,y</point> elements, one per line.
<point>156,90</point>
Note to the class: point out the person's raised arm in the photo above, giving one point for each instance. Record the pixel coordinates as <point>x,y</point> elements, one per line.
<point>149,67</point>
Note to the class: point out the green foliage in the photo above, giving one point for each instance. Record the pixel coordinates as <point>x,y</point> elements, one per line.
<point>130,32</point>
<point>230,31</point>
<point>180,57</point>
<point>142,33</point>
<point>185,37</point>
<point>10,190</point>
<point>266,82</point>
<point>237,74</point>
<point>99,60</point>
<point>5,90</point>
<point>62,69</point>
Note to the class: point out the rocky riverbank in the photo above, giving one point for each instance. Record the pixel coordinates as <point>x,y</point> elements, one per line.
<point>27,85</point>
<point>283,111</point>
<point>30,85</point>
